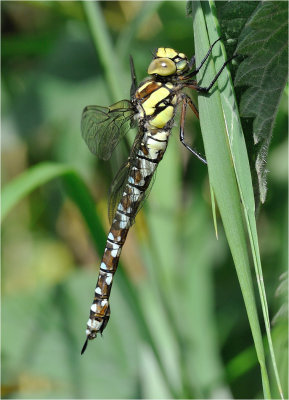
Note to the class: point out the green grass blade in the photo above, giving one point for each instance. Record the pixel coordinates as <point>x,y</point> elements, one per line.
<point>242,171</point>
<point>213,203</point>
<point>24,184</point>
<point>41,174</point>
<point>104,48</point>
<point>126,38</point>
<point>224,184</point>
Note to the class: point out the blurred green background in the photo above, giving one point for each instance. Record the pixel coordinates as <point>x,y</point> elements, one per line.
<point>183,278</point>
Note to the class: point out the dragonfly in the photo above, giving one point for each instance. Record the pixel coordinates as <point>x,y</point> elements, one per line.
<point>152,108</point>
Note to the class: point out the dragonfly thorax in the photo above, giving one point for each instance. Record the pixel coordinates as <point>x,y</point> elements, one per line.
<point>155,102</point>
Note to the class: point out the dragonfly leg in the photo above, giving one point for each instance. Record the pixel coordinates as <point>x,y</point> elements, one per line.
<point>192,106</point>
<point>192,61</point>
<point>187,101</point>
<point>208,88</point>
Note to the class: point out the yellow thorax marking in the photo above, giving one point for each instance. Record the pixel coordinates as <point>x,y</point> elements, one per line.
<point>169,85</point>
<point>166,52</point>
<point>163,117</point>
<point>160,135</point>
<point>140,89</point>
<point>154,98</point>
<point>174,100</point>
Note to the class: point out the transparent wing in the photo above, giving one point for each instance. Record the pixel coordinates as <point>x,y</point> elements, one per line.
<point>147,192</point>
<point>103,127</point>
<point>116,189</point>
<point>119,183</point>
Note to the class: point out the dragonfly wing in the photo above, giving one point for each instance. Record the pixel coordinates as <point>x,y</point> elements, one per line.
<point>120,181</point>
<point>117,189</point>
<point>103,127</point>
<point>146,193</point>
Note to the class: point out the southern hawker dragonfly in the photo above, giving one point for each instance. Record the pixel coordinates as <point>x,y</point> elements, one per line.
<point>152,107</point>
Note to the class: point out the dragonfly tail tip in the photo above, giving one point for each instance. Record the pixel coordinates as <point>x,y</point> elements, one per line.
<point>84,346</point>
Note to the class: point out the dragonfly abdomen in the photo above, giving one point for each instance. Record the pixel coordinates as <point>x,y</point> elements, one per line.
<point>147,158</point>
<point>100,311</point>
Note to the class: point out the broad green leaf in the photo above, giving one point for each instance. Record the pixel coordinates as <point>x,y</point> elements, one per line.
<point>232,18</point>
<point>264,41</point>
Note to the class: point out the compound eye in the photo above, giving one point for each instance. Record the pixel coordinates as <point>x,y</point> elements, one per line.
<point>162,66</point>
<point>182,65</point>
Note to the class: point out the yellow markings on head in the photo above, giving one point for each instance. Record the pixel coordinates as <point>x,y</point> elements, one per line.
<point>163,117</point>
<point>166,52</point>
<point>169,85</point>
<point>167,62</point>
<point>154,98</point>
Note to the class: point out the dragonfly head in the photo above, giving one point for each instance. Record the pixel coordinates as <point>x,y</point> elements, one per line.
<point>168,62</point>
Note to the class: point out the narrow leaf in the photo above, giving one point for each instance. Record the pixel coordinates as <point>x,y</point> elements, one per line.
<point>242,171</point>
<point>222,174</point>
<point>21,186</point>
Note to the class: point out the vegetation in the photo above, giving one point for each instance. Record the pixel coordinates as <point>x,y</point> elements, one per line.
<point>179,328</point>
